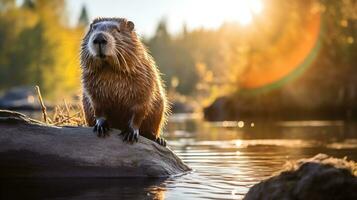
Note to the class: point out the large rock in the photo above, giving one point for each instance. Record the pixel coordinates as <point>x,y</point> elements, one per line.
<point>29,148</point>
<point>319,178</point>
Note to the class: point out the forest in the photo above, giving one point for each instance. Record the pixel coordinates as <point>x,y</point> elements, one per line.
<point>299,56</point>
<point>263,104</point>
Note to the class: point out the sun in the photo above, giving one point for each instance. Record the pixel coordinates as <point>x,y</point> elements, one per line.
<point>241,11</point>
<point>213,13</point>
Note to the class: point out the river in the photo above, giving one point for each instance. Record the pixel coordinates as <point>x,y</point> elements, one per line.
<point>227,158</point>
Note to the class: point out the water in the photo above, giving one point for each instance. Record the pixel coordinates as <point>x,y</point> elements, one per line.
<point>227,158</point>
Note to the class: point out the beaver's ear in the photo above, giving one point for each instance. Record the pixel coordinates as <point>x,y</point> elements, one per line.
<point>130,25</point>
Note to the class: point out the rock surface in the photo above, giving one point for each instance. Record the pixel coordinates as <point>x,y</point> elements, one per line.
<point>31,149</point>
<point>319,178</point>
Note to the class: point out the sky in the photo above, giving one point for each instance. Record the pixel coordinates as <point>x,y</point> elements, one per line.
<point>147,13</point>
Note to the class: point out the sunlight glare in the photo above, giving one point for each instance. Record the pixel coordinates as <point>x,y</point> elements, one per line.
<point>213,13</point>
<point>242,11</point>
<point>239,143</point>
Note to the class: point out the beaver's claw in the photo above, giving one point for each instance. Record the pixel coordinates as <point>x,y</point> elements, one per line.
<point>130,135</point>
<point>101,127</point>
<point>161,141</point>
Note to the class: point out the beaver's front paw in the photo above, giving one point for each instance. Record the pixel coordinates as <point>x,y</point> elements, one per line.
<point>161,141</point>
<point>130,135</point>
<point>101,127</point>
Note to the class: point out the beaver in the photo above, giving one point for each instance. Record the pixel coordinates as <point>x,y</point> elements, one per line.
<point>121,83</point>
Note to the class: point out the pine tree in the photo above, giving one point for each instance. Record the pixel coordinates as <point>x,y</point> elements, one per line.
<point>83,18</point>
<point>28,4</point>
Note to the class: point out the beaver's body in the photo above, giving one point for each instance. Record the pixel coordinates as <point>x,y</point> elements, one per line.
<point>122,87</point>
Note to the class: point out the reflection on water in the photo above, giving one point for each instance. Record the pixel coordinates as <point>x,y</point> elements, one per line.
<point>67,188</point>
<point>227,159</point>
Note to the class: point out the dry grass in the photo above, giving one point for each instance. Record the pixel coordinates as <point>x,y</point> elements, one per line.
<point>66,114</point>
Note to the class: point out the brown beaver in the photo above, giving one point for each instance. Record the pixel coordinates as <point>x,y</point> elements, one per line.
<point>122,87</point>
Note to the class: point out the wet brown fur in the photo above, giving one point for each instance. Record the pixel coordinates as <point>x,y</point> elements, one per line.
<point>124,86</point>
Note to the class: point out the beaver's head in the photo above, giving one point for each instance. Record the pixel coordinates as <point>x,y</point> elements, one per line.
<point>109,42</point>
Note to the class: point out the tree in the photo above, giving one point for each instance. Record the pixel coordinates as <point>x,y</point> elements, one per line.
<point>174,59</point>
<point>28,4</point>
<point>38,48</point>
<point>83,20</point>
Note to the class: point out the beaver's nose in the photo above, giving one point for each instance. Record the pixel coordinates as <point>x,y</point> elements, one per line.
<point>100,39</point>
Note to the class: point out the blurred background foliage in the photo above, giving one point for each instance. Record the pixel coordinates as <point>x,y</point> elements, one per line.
<point>299,55</point>
<point>37,47</point>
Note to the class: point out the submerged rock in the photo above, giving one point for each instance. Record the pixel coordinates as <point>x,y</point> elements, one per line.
<point>319,178</point>
<point>29,149</point>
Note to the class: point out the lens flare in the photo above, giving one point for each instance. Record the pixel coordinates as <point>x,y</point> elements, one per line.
<point>289,65</point>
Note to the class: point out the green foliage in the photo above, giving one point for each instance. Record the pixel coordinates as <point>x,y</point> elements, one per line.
<point>211,63</point>
<point>36,47</point>
<point>173,59</point>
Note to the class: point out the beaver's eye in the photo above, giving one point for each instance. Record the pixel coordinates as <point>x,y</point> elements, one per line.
<point>93,26</point>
